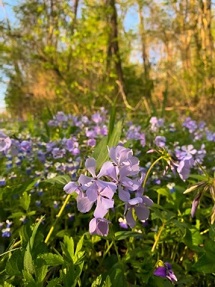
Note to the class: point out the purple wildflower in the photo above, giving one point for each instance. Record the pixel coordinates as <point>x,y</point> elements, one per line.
<point>166,271</point>
<point>141,206</point>
<point>160,141</point>
<point>184,167</point>
<point>156,123</point>
<point>99,226</point>
<point>72,146</point>
<point>5,142</point>
<point>58,153</point>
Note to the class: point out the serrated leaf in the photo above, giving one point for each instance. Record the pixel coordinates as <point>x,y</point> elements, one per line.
<point>52,259</point>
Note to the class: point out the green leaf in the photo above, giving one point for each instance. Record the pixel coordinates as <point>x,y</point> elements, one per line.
<point>107,282</point>
<point>117,275</point>
<point>68,247</point>
<point>101,151</point>
<point>54,283</point>
<point>97,281</point>
<point>28,261</point>
<point>59,180</point>
<point>205,264</point>
<point>14,265</point>
<point>25,201</point>
<point>79,245</point>
<point>163,191</point>
<point>52,259</point>
<point>120,235</point>
<point>115,135</point>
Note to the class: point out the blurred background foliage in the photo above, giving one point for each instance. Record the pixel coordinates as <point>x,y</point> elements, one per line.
<point>78,55</point>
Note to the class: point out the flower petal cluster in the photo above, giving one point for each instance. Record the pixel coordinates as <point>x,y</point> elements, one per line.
<point>120,175</point>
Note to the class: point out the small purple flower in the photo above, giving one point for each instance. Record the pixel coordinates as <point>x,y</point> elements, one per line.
<point>160,141</point>
<point>72,146</point>
<point>190,124</point>
<point>61,117</point>
<point>99,226</point>
<point>97,118</point>
<point>6,232</point>
<point>91,142</point>
<point>184,167</point>
<point>5,142</point>
<point>2,181</point>
<point>166,271</point>
<point>25,146</point>
<point>123,223</point>
<point>156,123</point>
<point>58,153</point>
<point>195,204</point>
<point>141,206</point>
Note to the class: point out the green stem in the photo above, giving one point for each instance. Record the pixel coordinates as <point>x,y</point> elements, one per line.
<point>57,218</point>
<point>149,170</point>
<point>116,250</point>
<point>157,237</point>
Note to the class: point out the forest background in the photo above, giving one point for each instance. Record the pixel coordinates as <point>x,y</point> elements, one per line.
<point>79,55</point>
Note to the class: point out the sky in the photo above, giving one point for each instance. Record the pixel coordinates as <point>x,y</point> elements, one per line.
<point>6,11</point>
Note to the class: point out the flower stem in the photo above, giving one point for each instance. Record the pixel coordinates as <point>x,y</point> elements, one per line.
<point>149,170</point>
<point>157,237</point>
<point>57,218</point>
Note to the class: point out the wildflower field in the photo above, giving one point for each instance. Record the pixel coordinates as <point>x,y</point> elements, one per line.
<point>103,200</point>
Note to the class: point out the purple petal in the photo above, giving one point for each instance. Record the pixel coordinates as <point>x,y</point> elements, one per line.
<point>92,225</point>
<point>135,201</point>
<point>124,195</point>
<point>142,212</point>
<point>195,204</point>
<point>85,181</point>
<point>104,184</point>
<point>71,187</point>
<point>107,203</point>
<point>100,210</point>
<point>106,169</point>
<point>147,201</point>
<point>129,218</point>
<point>90,165</point>
<point>160,271</point>
<point>99,226</point>
<point>107,192</point>
<point>84,204</point>
<point>92,192</point>
<point>171,276</point>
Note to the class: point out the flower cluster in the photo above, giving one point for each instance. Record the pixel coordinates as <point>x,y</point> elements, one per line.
<point>120,175</point>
